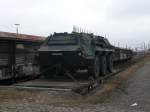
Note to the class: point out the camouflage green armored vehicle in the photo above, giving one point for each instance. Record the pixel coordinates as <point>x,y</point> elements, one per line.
<point>74,51</point>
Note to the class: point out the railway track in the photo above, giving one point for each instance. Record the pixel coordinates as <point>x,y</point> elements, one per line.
<point>82,87</point>
<point>93,84</point>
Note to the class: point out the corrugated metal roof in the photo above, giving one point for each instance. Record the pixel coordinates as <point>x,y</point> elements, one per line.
<point>14,36</point>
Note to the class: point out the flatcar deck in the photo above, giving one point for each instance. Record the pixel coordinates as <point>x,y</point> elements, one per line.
<point>42,83</point>
<point>81,87</point>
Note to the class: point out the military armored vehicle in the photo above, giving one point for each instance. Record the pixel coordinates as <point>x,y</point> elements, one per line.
<point>74,51</point>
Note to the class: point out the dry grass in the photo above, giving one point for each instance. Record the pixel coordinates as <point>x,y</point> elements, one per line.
<point>13,94</point>
<point>116,82</point>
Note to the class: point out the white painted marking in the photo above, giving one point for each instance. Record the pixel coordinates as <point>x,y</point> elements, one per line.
<point>134,104</point>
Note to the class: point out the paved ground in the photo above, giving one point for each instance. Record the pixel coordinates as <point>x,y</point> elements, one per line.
<point>136,91</point>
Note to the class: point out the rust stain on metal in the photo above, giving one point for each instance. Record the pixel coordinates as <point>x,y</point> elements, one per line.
<point>24,37</point>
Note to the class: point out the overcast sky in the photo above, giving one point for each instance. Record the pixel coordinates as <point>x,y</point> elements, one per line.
<point>124,21</point>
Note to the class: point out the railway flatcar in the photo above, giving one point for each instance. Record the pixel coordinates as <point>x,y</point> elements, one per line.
<point>18,54</point>
<point>122,54</point>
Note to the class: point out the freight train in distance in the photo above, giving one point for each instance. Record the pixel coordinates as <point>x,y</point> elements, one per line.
<point>74,51</point>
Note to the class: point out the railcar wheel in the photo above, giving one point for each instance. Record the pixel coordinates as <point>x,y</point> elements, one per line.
<point>103,68</point>
<point>110,63</point>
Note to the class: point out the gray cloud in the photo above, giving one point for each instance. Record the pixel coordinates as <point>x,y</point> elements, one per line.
<point>129,8</point>
<point>128,21</point>
<point>124,21</point>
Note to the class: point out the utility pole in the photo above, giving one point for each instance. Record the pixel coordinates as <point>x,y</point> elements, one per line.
<point>13,54</point>
<point>118,44</point>
<point>144,48</point>
<point>17,25</point>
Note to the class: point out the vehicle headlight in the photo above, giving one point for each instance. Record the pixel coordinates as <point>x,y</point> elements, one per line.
<point>79,54</point>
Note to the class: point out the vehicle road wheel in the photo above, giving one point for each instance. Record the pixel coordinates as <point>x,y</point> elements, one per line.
<point>110,63</point>
<point>103,68</point>
<point>95,70</point>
